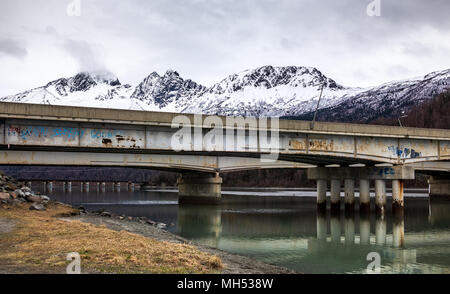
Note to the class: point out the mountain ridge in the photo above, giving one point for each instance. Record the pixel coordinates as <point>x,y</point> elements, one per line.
<point>280,91</point>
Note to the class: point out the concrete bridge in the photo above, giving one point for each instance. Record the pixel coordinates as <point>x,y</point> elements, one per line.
<point>332,152</point>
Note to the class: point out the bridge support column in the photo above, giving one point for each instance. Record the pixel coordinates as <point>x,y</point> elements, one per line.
<point>103,186</point>
<point>130,187</point>
<point>67,186</point>
<point>116,186</point>
<point>321,194</point>
<point>397,194</point>
<point>48,186</point>
<point>364,194</point>
<point>199,188</point>
<point>380,195</point>
<point>349,188</point>
<point>439,187</point>
<point>85,186</point>
<point>335,191</point>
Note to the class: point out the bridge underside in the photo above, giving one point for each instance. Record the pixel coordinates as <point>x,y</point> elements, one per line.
<point>164,161</point>
<point>185,161</point>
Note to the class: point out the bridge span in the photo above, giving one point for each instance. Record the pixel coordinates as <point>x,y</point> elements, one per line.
<point>332,152</point>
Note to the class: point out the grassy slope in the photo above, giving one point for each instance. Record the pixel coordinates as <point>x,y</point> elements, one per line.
<point>41,241</point>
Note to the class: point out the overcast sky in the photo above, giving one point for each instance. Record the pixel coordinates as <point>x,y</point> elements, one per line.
<point>206,40</point>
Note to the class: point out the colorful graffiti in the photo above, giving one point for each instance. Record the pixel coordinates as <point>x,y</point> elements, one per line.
<point>382,171</point>
<point>404,153</point>
<point>30,132</point>
<point>100,134</point>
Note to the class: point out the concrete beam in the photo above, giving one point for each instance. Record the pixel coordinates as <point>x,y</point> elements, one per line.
<point>369,173</point>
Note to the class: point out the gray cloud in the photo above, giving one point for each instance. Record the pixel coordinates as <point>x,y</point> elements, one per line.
<point>13,48</point>
<point>88,56</point>
<point>208,39</point>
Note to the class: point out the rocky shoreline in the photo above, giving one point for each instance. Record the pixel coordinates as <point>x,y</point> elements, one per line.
<point>13,193</point>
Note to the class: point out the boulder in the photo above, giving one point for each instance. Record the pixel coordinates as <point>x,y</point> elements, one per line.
<point>4,195</point>
<point>33,198</point>
<point>37,206</point>
<point>45,198</point>
<point>20,193</point>
<point>161,225</point>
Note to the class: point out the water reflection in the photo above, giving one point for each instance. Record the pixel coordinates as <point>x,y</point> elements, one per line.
<point>293,233</point>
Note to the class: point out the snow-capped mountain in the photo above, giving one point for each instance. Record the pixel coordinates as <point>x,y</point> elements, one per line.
<point>270,91</point>
<point>265,91</point>
<point>388,100</point>
<point>167,92</point>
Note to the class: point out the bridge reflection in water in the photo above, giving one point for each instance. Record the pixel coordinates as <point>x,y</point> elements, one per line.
<point>294,234</point>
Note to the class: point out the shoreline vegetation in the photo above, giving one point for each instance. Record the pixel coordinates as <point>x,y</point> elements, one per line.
<point>38,241</point>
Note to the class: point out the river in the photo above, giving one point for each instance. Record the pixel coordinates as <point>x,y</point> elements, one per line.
<point>283,227</point>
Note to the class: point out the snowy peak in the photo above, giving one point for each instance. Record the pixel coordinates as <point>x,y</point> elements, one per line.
<point>270,77</point>
<point>167,89</point>
<point>83,81</point>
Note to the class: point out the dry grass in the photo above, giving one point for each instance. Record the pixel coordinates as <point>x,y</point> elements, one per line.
<point>41,242</point>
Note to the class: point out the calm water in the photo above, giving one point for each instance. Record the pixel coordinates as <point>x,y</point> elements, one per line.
<point>284,228</point>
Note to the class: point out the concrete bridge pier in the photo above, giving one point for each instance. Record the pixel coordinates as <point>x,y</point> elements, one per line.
<point>199,188</point>
<point>364,174</point>
<point>364,194</point>
<point>103,186</point>
<point>48,186</point>
<point>349,188</point>
<point>116,186</point>
<point>321,194</point>
<point>130,187</point>
<point>397,194</point>
<point>335,193</point>
<point>439,187</point>
<point>85,186</point>
<point>67,186</point>
<point>380,195</point>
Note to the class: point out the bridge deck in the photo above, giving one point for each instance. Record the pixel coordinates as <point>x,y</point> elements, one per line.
<point>85,114</point>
